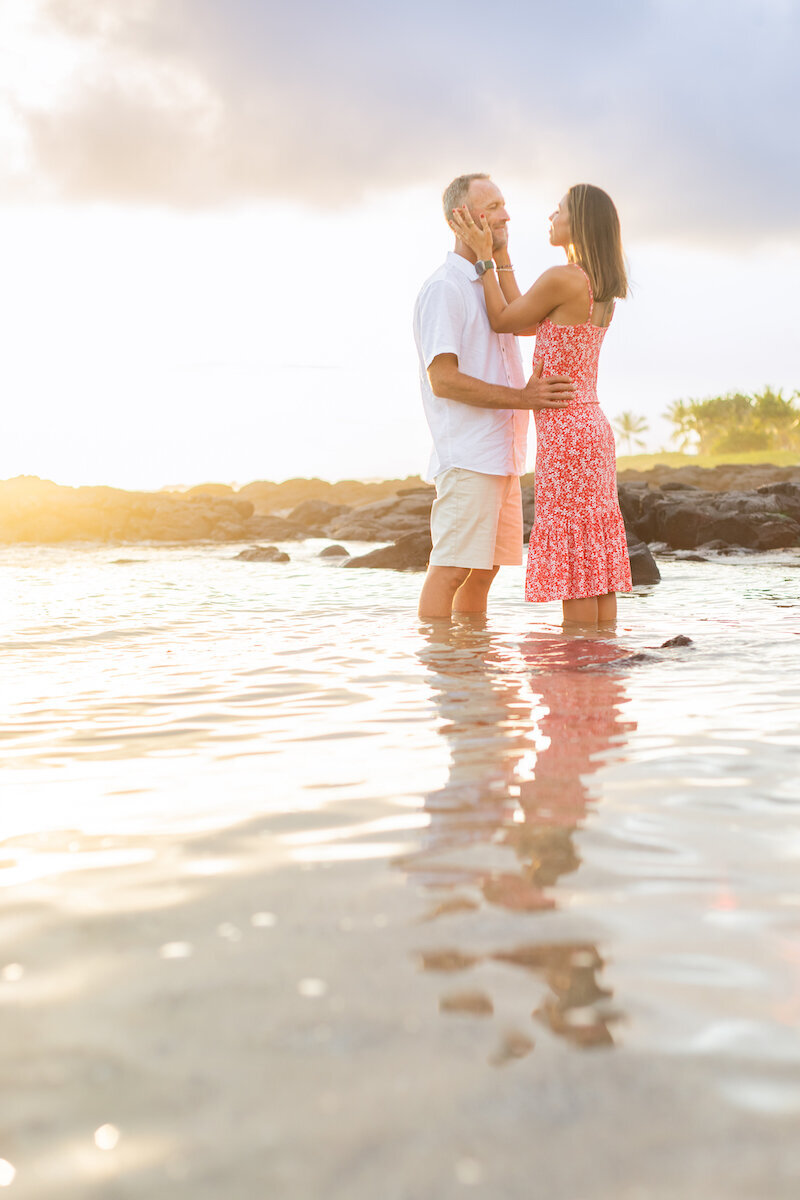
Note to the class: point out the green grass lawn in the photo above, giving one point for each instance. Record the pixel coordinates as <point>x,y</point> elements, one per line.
<point>643,462</point>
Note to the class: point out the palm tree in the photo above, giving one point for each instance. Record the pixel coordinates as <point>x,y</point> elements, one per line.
<point>778,418</point>
<point>736,422</point>
<point>628,426</point>
<point>681,415</point>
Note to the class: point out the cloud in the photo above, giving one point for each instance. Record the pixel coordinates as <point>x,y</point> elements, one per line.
<point>685,112</point>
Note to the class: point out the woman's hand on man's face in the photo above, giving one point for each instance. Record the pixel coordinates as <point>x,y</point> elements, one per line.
<point>477,237</point>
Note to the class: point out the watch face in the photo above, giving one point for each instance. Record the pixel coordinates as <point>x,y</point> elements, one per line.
<point>482,267</point>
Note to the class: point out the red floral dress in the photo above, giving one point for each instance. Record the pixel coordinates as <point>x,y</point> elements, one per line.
<point>578,545</point>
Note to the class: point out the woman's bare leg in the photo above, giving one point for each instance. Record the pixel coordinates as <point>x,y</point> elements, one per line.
<point>607,607</point>
<point>580,612</point>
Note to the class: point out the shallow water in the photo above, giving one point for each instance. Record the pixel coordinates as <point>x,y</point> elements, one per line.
<point>523,863</point>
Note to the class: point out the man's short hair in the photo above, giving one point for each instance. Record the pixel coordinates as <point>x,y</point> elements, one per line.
<point>455,194</point>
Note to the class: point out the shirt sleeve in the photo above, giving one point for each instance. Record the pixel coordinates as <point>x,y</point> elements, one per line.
<point>441,315</point>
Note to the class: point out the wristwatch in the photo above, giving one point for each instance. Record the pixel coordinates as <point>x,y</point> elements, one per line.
<point>482,266</point>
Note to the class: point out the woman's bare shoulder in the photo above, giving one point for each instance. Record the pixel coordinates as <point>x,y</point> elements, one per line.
<point>575,275</point>
<point>565,278</point>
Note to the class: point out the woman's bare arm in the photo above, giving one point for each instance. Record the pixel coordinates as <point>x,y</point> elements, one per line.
<point>523,315</point>
<point>515,313</point>
<point>505,273</point>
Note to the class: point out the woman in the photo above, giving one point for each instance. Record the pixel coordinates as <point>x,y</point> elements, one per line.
<point>578,551</point>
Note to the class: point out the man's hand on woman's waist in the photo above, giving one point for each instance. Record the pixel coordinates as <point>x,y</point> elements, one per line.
<point>450,383</point>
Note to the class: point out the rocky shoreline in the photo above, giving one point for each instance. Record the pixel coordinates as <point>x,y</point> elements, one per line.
<point>37,510</point>
<point>711,511</point>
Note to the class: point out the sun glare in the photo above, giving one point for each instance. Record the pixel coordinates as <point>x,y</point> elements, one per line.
<point>37,60</point>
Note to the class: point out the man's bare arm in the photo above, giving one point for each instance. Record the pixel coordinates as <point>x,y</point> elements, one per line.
<point>449,382</point>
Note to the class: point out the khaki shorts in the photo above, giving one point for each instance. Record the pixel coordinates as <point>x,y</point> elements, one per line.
<point>476,520</point>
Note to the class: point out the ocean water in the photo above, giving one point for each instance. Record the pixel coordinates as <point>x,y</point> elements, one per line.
<point>538,893</point>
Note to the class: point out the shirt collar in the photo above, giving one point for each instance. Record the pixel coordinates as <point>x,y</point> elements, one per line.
<point>462,264</point>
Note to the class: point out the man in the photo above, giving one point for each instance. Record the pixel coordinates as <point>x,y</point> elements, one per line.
<point>476,403</point>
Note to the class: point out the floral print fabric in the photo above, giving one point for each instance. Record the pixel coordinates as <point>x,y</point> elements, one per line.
<point>578,546</point>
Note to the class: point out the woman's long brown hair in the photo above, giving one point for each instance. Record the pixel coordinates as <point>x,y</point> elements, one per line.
<point>596,240</point>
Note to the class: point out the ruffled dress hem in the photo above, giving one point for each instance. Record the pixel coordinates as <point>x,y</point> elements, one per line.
<point>575,560</point>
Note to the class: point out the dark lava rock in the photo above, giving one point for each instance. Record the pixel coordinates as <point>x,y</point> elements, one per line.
<point>283,497</point>
<point>409,553</point>
<point>777,534</point>
<point>412,552</point>
<point>333,552</point>
<point>722,478</point>
<point>264,526</point>
<point>787,495</point>
<point>634,503</point>
<point>758,520</point>
<point>643,565</point>
<point>679,640</point>
<point>264,554</point>
<point>209,489</point>
<point>36,510</point>
<point>228,531</point>
<point>528,511</point>
<point>718,546</point>
<point>386,520</point>
<point>242,509</point>
<point>729,509</point>
<point>316,514</point>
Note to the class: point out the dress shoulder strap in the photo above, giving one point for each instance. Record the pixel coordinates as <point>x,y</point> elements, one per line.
<point>589,286</point>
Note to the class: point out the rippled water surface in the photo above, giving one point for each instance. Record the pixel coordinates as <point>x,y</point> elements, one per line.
<point>468,902</point>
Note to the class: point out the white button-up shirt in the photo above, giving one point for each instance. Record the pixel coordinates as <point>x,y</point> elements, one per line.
<point>450,318</point>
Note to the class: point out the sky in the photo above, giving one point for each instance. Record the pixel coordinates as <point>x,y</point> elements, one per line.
<point>215,216</point>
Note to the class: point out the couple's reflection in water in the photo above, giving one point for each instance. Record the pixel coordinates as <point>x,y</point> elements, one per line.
<point>527,723</point>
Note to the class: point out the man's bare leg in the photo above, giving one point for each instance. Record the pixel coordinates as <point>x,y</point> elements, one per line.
<point>473,594</point>
<point>438,590</point>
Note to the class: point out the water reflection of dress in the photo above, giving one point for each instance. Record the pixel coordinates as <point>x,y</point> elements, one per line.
<point>583,699</point>
<point>577,545</point>
<point>486,697</point>
<point>583,696</point>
